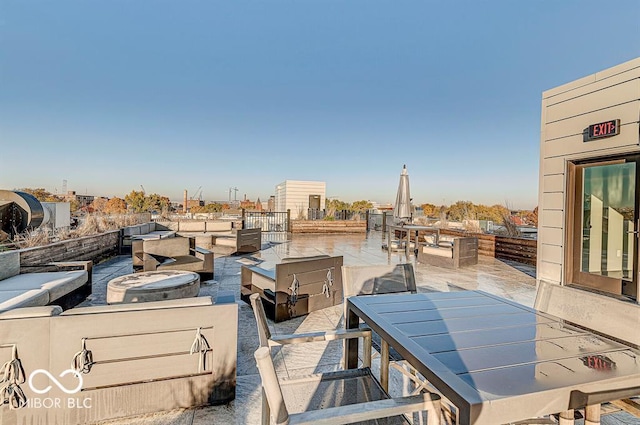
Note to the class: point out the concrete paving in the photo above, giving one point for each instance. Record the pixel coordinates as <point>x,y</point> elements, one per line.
<point>490,275</point>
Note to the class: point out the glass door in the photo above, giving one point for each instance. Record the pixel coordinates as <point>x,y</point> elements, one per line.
<point>606,226</point>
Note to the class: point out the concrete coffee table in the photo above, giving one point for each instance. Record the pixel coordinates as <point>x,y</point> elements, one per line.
<point>153,286</point>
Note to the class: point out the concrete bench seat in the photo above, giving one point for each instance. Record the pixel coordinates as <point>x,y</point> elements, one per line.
<point>64,288</point>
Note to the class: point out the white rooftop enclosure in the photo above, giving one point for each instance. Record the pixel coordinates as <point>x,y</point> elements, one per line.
<point>590,182</point>
<point>299,195</point>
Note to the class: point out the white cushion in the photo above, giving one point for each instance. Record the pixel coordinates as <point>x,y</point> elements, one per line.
<point>57,284</point>
<point>440,251</point>
<point>11,299</point>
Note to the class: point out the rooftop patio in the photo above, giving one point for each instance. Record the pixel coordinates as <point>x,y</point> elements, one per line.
<point>513,282</point>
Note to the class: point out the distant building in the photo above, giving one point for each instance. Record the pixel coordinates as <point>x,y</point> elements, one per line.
<point>271,203</point>
<point>194,203</point>
<point>300,196</point>
<point>82,200</point>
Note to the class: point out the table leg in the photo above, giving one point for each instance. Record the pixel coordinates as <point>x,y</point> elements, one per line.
<point>566,418</point>
<point>384,364</point>
<point>592,415</point>
<point>352,321</point>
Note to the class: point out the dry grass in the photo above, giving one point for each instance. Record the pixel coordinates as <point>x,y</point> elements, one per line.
<point>32,238</point>
<point>93,224</point>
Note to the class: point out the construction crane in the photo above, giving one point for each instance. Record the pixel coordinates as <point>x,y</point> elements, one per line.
<point>235,195</point>
<point>144,192</point>
<point>195,194</point>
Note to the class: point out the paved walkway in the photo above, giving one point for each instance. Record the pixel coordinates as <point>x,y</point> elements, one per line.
<point>489,275</point>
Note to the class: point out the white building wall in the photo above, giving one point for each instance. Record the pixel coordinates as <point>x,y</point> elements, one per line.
<point>566,111</point>
<point>294,195</point>
<point>57,214</point>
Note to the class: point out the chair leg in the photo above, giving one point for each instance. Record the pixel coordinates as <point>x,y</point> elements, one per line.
<point>266,413</point>
<point>592,415</point>
<point>384,365</point>
<point>566,418</point>
<point>366,353</point>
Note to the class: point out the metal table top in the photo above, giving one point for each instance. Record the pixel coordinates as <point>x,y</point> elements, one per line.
<point>496,360</point>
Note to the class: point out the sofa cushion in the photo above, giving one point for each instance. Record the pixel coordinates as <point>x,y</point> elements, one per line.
<point>440,251</point>
<point>226,241</point>
<point>219,226</point>
<point>131,230</point>
<point>11,299</point>
<point>169,247</point>
<point>264,279</point>
<point>57,284</point>
<point>183,262</point>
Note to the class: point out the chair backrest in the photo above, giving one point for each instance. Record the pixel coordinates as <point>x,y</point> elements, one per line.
<point>264,334</point>
<point>377,279</point>
<point>603,314</point>
<point>271,385</point>
<point>167,247</point>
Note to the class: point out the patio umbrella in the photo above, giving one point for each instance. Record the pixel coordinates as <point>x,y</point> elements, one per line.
<point>402,207</point>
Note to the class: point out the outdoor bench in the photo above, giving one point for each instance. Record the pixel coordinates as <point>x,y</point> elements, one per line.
<point>145,231</point>
<point>296,286</point>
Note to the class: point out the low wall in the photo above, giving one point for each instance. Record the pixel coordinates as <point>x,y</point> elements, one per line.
<point>508,248</point>
<point>328,226</point>
<point>94,248</point>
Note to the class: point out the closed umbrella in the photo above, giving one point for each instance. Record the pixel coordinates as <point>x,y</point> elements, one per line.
<point>402,207</point>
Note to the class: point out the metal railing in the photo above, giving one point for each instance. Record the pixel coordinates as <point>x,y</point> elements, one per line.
<point>268,221</point>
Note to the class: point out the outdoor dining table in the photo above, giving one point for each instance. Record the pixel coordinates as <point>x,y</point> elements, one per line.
<point>496,360</point>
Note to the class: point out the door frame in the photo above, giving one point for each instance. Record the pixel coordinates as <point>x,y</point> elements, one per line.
<point>574,230</point>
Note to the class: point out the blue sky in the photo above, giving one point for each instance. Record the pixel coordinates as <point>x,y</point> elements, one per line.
<point>172,95</point>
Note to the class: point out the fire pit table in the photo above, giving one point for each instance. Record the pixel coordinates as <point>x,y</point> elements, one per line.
<point>153,286</point>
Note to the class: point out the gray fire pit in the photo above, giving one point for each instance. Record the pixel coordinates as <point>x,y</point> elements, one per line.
<point>153,286</point>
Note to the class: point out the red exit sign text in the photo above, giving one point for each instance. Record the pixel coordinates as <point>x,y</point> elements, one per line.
<point>603,129</point>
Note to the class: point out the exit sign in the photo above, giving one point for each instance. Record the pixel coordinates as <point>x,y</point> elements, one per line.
<point>602,130</point>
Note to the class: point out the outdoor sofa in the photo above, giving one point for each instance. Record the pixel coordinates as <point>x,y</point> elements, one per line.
<point>178,253</point>
<point>144,231</point>
<point>209,234</point>
<point>64,288</point>
<point>460,252</point>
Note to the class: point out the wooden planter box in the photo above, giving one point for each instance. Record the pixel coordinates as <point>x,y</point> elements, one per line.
<point>328,226</point>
